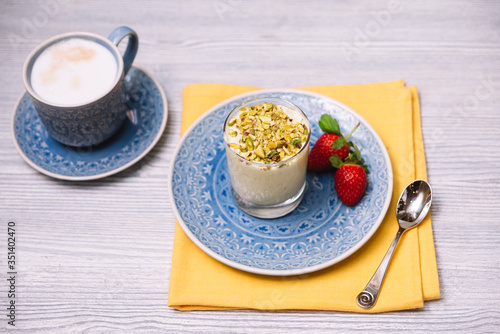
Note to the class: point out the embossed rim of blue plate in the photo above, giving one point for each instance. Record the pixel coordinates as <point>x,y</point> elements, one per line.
<point>100,175</point>
<point>289,272</point>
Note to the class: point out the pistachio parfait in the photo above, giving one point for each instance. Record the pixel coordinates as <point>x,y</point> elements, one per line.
<point>267,143</point>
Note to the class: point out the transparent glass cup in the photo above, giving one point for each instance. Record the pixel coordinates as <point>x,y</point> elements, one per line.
<point>268,190</point>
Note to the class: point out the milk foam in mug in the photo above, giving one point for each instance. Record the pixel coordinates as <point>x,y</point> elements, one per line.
<point>73,71</point>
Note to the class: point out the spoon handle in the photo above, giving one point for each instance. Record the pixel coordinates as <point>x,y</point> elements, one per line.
<point>367,298</point>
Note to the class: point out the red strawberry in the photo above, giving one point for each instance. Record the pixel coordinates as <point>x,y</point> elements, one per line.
<point>330,143</point>
<point>322,151</point>
<point>350,183</point>
<point>350,176</point>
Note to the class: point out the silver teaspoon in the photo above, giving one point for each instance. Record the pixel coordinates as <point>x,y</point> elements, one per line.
<point>413,205</point>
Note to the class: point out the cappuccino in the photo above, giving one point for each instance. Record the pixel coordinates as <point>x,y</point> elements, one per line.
<point>74,71</point>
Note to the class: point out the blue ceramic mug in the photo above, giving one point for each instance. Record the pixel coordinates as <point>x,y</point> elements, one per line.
<point>90,122</point>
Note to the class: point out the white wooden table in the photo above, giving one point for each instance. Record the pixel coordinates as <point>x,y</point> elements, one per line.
<point>95,256</point>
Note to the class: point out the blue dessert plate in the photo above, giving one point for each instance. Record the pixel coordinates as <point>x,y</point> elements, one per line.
<point>138,135</point>
<point>319,233</point>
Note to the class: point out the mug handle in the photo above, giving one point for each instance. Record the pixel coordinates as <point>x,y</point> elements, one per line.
<point>133,44</point>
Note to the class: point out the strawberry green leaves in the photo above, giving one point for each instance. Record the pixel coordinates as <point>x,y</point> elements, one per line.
<point>339,143</point>
<point>336,161</point>
<point>354,158</point>
<point>329,125</point>
<point>357,153</point>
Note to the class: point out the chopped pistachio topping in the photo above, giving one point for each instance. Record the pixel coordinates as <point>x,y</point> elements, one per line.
<point>266,133</point>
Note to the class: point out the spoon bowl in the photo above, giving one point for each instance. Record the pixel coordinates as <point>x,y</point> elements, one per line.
<point>413,205</point>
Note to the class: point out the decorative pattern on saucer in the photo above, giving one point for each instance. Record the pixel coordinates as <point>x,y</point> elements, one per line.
<point>320,232</point>
<point>135,138</point>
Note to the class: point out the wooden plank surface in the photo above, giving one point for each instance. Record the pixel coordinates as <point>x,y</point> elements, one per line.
<point>95,256</point>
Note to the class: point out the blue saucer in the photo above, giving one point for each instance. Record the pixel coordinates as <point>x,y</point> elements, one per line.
<point>320,232</point>
<point>138,135</point>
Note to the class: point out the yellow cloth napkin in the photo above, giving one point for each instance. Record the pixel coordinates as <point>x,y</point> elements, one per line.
<point>199,282</point>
